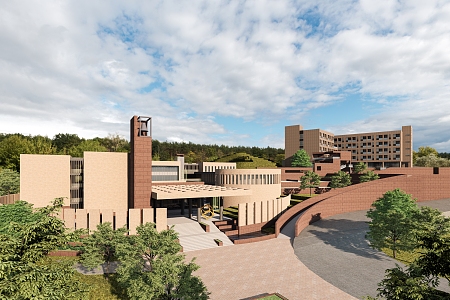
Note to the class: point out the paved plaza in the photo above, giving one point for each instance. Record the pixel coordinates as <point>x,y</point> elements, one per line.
<point>330,259</point>
<point>271,266</point>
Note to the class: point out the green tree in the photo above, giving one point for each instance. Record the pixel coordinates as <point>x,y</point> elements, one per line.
<point>19,212</point>
<point>309,180</point>
<point>340,180</point>
<point>42,145</point>
<point>433,240</point>
<point>301,159</point>
<point>151,267</point>
<point>409,284</point>
<point>9,182</point>
<point>279,159</point>
<point>87,145</point>
<point>100,246</point>
<point>114,143</point>
<point>26,272</point>
<point>424,151</point>
<point>359,168</point>
<point>420,279</point>
<point>368,176</point>
<point>392,222</point>
<point>10,150</point>
<point>431,160</point>
<point>65,141</point>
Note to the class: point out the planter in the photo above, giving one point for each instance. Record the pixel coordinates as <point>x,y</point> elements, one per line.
<point>204,226</point>
<point>218,242</point>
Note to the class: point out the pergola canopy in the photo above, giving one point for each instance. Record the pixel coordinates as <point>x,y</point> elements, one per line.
<point>163,192</point>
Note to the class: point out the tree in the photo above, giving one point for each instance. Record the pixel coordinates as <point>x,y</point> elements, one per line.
<point>392,222</point>
<point>424,151</point>
<point>433,239</point>
<point>301,159</point>
<point>9,182</point>
<point>10,150</point>
<point>368,176</point>
<point>65,141</point>
<point>88,145</point>
<point>114,143</point>
<point>309,180</point>
<point>359,168</point>
<point>431,160</point>
<point>409,284</point>
<point>19,212</point>
<point>26,272</point>
<point>152,268</point>
<point>340,180</point>
<point>42,145</point>
<point>420,279</point>
<point>100,246</point>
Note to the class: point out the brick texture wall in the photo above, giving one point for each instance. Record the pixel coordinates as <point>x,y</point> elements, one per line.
<point>140,168</point>
<point>423,186</point>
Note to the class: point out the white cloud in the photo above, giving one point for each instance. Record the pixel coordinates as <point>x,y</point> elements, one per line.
<point>88,66</point>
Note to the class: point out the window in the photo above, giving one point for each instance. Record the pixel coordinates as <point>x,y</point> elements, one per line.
<point>319,168</point>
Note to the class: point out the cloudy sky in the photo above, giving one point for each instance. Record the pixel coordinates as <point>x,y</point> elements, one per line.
<point>231,72</point>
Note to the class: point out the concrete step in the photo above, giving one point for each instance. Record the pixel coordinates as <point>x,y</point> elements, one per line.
<point>225,227</point>
<point>231,232</point>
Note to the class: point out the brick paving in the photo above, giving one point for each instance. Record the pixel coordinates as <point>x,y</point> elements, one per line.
<point>271,266</point>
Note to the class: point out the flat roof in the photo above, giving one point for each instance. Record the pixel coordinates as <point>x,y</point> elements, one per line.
<point>164,192</point>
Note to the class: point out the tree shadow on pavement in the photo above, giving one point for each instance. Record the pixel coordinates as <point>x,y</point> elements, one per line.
<point>342,234</point>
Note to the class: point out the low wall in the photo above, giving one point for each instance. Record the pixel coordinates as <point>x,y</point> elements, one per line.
<point>90,218</point>
<point>361,196</point>
<point>261,211</point>
<point>9,199</point>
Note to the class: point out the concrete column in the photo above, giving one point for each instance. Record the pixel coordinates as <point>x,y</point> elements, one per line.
<point>182,207</point>
<point>199,212</point>
<point>221,208</point>
<point>190,208</point>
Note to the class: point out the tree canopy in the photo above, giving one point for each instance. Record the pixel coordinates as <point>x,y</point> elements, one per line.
<point>359,167</point>
<point>420,278</point>
<point>392,222</point>
<point>151,266</point>
<point>423,151</point>
<point>309,180</point>
<point>368,176</point>
<point>340,180</point>
<point>9,182</point>
<point>301,159</point>
<point>25,270</point>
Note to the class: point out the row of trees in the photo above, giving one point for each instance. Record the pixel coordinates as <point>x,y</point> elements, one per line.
<point>150,265</point>
<point>12,145</point>
<point>398,224</point>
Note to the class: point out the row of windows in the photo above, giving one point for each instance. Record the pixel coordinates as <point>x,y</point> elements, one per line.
<point>250,179</point>
<point>165,173</point>
<point>368,137</point>
<point>214,168</point>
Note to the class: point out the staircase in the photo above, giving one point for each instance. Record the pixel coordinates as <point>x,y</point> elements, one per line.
<point>192,237</point>
<point>228,227</point>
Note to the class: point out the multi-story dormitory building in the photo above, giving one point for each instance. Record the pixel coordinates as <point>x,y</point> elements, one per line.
<point>377,149</point>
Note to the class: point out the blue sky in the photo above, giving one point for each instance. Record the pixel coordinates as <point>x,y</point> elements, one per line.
<point>226,72</point>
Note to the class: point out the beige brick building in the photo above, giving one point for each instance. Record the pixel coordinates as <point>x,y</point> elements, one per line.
<point>312,140</point>
<point>376,149</point>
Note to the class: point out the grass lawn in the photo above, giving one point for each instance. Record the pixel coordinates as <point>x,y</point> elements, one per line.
<point>403,256</point>
<point>101,288</point>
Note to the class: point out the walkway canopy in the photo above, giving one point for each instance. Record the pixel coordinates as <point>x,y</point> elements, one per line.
<point>163,192</point>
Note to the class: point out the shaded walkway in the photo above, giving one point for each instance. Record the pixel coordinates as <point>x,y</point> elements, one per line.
<point>335,248</point>
<point>252,269</point>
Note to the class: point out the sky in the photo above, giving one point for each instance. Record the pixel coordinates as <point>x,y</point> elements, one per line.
<point>226,72</point>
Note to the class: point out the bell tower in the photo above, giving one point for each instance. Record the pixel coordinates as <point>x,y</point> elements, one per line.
<point>140,177</point>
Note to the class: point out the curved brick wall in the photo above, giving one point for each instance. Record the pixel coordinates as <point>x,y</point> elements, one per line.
<point>422,185</point>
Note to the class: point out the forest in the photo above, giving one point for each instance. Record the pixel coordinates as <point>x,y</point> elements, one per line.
<point>12,145</point>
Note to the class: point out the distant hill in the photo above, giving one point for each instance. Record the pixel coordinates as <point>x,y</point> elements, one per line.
<point>247,161</point>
